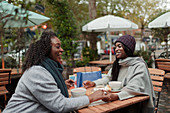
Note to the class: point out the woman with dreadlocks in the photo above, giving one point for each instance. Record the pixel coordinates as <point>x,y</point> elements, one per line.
<point>132,71</point>
<point>41,88</point>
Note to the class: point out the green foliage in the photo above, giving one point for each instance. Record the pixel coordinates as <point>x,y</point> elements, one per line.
<point>146,55</point>
<point>9,62</point>
<point>161,33</point>
<point>89,53</point>
<point>65,24</point>
<point>82,63</point>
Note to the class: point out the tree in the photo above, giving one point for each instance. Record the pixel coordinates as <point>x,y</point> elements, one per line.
<point>85,11</point>
<point>92,9</point>
<point>6,16</point>
<point>63,22</point>
<point>144,10</point>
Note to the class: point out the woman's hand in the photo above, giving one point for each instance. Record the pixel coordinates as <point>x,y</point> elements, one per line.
<point>110,97</point>
<point>88,84</point>
<point>69,83</point>
<point>97,95</point>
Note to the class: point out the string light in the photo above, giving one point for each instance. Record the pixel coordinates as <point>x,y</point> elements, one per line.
<point>44,26</point>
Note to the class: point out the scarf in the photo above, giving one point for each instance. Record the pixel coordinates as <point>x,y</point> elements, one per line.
<point>56,70</point>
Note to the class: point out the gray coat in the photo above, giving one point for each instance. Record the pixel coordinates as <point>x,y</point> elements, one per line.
<point>37,92</point>
<point>135,79</point>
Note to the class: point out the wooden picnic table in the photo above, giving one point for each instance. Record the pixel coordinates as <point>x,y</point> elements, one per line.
<point>113,106</point>
<point>15,73</point>
<point>101,62</point>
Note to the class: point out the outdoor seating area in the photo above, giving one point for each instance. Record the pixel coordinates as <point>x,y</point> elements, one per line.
<point>85,56</point>
<point>157,75</point>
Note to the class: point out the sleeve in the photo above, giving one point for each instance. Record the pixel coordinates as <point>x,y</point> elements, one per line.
<point>44,88</point>
<point>104,80</point>
<point>135,82</point>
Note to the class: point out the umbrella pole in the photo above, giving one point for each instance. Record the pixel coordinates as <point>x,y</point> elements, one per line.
<point>110,48</point>
<point>2,52</point>
<point>167,55</point>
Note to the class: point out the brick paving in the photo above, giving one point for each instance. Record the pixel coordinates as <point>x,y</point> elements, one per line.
<point>164,103</point>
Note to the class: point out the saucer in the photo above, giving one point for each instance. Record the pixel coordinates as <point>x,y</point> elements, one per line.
<point>115,90</point>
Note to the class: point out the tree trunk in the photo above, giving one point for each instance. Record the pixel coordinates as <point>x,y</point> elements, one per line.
<point>92,9</point>
<point>93,40</point>
<point>167,55</point>
<point>142,29</point>
<point>92,15</point>
<point>2,50</point>
<point>67,71</point>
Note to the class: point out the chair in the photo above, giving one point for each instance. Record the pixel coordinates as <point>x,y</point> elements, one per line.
<point>157,76</point>
<point>4,80</point>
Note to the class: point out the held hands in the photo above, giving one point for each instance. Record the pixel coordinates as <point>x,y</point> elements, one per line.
<point>69,83</point>
<point>110,97</point>
<point>88,84</point>
<point>102,95</point>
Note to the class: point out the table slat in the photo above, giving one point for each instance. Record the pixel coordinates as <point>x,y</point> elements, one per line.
<point>86,110</point>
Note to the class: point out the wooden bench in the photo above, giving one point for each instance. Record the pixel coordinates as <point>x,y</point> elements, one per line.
<point>157,76</point>
<point>163,64</point>
<point>4,80</point>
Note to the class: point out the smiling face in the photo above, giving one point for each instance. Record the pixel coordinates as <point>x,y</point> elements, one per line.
<point>120,53</point>
<point>56,50</point>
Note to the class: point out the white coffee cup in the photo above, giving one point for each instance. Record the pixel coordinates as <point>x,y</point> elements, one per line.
<point>115,85</point>
<point>76,92</point>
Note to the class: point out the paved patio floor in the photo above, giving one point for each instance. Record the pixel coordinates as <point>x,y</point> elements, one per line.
<point>164,103</point>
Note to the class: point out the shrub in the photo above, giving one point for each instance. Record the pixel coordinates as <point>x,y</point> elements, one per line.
<point>146,55</point>
<point>9,62</point>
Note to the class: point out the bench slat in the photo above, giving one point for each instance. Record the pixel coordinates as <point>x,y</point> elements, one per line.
<point>155,83</point>
<point>157,78</point>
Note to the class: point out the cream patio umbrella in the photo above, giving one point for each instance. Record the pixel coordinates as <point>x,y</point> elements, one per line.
<point>12,16</point>
<point>162,21</point>
<point>109,23</point>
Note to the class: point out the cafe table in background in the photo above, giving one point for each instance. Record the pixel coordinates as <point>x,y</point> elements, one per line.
<point>117,106</point>
<point>101,63</point>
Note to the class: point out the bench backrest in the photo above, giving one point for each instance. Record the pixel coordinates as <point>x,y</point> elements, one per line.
<point>5,77</point>
<point>157,76</point>
<point>163,64</point>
